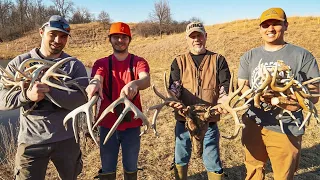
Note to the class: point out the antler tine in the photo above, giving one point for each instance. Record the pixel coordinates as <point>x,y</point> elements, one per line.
<point>137,114</point>
<point>231,83</point>
<point>8,82</point>
<point>165,84</point>
<point>106,111</point>
<point>311,81</point>
<point>128,106</point>
<point>16,85</point>
<point>265,83</point>
<point>9,75</point>
<point>169,93</point>
<point>227,107</point>
<point>157,109</point>
<point>51,72</point>
<point>310,108</point>
<point>75,83</point>
<point>36,73</point>
<point>170,98</point>
<point>26,63</point>
<point>86,108</point>
<point>304,90</point>
<point>52,100</point>
<point>17,76</point>
<point>273,82</point>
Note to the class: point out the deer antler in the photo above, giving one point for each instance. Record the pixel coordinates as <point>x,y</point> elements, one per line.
<point>273,85</point>
<point>233,111</point>
<point>51,73</point>
<point>128,106</point>
<point>87,108</point>
<point>170,98</point>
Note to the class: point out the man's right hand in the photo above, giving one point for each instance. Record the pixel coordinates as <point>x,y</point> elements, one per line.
<point>37,91</point>
<point>176,105</point>
<point>93,87</point>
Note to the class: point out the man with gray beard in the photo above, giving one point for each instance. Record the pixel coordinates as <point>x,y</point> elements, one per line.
<point>198,77</point>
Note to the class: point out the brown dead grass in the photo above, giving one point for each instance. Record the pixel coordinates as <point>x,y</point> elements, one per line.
<point>89,42</point>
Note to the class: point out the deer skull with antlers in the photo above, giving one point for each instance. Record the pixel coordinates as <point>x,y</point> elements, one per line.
<point>197,116</point>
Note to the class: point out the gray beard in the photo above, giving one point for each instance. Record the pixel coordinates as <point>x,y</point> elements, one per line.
<point>198,50</point>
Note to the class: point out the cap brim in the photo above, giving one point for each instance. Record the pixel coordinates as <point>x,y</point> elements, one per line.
<point>275,18</point>
<point>57,29</point>
<point>119,33</point>
<point>196,30</point>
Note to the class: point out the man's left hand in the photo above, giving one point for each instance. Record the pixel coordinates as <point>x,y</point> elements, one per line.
<point>222,99</point>
<point>129,90</point>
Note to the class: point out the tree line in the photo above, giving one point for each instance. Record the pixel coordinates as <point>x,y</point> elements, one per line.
<point>20,16</point>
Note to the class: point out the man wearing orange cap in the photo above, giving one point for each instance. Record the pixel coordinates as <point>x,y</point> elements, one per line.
<point>119,74</point>
<point>262,137</point>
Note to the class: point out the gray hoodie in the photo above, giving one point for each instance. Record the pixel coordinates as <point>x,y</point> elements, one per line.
<point>44,124</point>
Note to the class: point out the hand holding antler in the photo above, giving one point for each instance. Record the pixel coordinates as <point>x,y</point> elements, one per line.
<point>95,86</point>
<point>128,106</point>
<point>37,92</point>
<point>86,108</point>
<point>130,90</point>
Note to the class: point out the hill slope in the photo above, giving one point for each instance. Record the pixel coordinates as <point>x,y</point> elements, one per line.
<point>89,42</point>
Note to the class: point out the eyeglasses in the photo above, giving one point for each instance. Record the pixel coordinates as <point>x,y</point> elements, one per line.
<point>58,24</point>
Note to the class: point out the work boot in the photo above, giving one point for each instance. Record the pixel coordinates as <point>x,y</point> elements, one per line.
<point>130,175</point>
<point>181,172</point>
<point>106,176</point>
<point>215,176</point>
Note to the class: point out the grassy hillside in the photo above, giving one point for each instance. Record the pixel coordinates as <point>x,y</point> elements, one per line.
<point>232,39</point>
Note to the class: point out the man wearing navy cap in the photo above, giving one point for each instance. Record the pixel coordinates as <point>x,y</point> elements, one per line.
<point>42,136</point>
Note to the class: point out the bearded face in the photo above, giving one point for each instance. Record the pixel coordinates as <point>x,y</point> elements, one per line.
<point>120,43</point>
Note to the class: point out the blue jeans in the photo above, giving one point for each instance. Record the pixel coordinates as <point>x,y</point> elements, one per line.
<point>210,155</point>
<point>129,140</point>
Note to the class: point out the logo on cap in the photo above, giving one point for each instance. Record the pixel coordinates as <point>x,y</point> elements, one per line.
<point>195,26</point>
<point>272,12</point>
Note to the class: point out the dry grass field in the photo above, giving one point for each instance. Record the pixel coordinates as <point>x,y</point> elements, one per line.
<point>232,39</point>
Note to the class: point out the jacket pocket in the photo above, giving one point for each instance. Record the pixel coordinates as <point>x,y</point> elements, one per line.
<point>209,96</point>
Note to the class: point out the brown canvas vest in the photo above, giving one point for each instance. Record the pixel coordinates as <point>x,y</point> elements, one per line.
<point>199,86</point>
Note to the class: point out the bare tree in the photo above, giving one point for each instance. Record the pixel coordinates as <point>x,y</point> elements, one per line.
<point>64,7</point>
<point>21,12</point>
<point>161,14</point>
<point>22,16</point>
<point>195,19</point>
<point>81,15</point>
<point>104,18</point>
<point>5,8</point>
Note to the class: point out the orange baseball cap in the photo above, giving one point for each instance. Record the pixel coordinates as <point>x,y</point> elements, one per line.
<point>120,28</point>
<point>273,13</point>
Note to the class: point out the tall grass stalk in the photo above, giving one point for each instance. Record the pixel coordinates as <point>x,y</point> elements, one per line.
<point>8,146</point>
